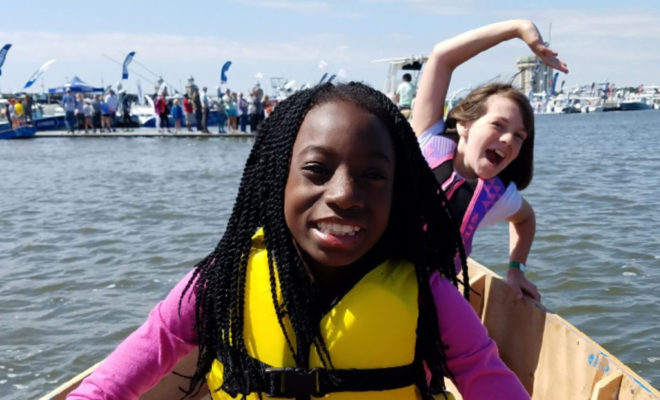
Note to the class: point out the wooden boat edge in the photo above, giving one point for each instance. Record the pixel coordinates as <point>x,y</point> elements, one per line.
<point>619,381</point>
<point>604,363</point>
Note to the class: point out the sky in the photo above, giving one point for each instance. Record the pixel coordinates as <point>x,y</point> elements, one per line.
<point>601,41</point>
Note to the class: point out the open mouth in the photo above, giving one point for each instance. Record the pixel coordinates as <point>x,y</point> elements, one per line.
<point>337,229</point>
<point>494,156</point>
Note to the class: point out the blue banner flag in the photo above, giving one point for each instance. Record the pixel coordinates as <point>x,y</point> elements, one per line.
<point>3,55</point>
<point>37,74</point>
<point>554,83</point>
<point>223,74</point>
<point>129,58</point>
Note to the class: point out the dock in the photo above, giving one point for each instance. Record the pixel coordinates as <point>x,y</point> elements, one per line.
<point>139,132</point>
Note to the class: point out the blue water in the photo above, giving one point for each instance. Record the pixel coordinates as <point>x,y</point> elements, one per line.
<point>94,232</point>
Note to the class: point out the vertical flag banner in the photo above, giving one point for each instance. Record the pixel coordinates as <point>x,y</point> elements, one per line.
<point>39,72</point>
<point>127,60</point>
<point>3,55</point>
<point>554,83</point>
<point>163,88</point>
<point>223,74</point>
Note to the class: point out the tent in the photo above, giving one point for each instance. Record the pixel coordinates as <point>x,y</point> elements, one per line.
<point>77,86</point>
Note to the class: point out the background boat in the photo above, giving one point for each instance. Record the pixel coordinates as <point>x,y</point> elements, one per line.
<point>45,117</point>
<point>633,104</point>
<point>22,132</point>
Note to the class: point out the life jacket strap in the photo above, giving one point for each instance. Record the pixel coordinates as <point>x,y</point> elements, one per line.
<point>317,382</point>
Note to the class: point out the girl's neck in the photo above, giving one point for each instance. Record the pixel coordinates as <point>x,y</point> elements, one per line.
<point>459,162</point>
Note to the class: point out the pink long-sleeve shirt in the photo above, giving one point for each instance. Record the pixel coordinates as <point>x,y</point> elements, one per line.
<point>153,350</point>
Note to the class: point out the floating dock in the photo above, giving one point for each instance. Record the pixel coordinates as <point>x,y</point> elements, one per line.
<point>140,132</point>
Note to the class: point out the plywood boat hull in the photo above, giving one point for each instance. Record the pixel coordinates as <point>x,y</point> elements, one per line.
<point>552,358</point>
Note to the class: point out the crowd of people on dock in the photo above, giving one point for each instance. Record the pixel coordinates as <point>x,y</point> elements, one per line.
<point>195,111</point>
<point>236,112</point>
<point>92,113</point>
<point>18,111</point>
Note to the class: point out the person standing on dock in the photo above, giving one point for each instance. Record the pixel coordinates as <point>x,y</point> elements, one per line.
<point>177,115</point>
<point>88,114</point>
<point>242,112</point>
<point>69,105</point>
<point>27,106</point>
<point>113,102</point>
<point>80,111</point>
<point>221,107</point>
<point>206,108</point>
<point>232,111</point>
<point>163,114</point>
<point>197,108</point>
<point>188,111</point>
<point>105,114</point>
<point>96,115</point>
<point>126,113</point>
<point>8,113</point>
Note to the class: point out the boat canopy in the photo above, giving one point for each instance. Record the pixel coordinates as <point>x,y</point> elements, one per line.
<point>76,85</point>
<point>412,64</point>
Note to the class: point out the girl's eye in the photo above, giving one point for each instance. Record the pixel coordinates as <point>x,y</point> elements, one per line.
<point>520,135</point>
<point>498,125</point>
<point>315,169</point>
<point>374,176</point>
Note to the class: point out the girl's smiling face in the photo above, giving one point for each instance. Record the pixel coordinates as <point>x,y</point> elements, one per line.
<point>490,143</point>
<point>338,194</point>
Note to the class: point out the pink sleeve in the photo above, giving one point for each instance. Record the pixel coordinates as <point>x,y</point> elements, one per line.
<point>147,354</point>
<point>471,355</point>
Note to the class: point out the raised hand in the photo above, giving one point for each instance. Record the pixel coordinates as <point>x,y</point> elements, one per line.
<point>529,33</point>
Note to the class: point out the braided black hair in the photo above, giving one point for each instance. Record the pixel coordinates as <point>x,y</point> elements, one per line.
<point>420,229</point>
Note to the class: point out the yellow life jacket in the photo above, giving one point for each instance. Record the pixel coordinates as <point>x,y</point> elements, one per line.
<point>372,327</point>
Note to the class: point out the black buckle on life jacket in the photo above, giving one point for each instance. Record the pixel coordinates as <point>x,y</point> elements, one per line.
<point>292,382</point>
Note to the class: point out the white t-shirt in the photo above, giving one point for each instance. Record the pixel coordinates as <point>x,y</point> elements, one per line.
<point>506,206</point>
<point>406,92</point>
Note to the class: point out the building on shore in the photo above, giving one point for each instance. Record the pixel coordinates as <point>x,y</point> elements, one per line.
<point>534,76</point>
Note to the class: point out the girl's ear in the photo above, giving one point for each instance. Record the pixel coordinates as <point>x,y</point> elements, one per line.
<point>463,128</point>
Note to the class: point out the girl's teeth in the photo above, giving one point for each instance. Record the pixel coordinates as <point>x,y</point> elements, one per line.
<point>499,153</point>
<point>338,229</point>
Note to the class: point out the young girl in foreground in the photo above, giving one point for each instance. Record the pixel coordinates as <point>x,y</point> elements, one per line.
<point>483,154</point>
<point>329,277</point>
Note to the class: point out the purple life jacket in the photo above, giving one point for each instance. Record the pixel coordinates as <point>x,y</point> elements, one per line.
<point>469,199</point>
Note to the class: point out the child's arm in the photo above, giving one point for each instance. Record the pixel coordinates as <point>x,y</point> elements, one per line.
<point>449,54</point>
<point>522,227</point>
<point>472,356</point>
<point>146,355</point>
